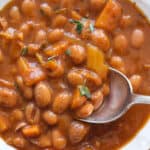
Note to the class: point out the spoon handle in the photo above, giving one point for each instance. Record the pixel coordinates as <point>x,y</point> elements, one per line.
<point>140,99</point>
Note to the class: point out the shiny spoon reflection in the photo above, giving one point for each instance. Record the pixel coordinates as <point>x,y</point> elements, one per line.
<point>120,99</point>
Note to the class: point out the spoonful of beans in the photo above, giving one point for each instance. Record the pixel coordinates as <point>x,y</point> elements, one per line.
<point>120,99</point>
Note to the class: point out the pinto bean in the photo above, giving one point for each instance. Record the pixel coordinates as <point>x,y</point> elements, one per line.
<point>100,39</point>
<point>77,54</point>
<point>136,81</point>
<point>97,99</point>
<point>77,99</point>
<point>61,102</point>
<point>55,35</point>
<point>31,131</point>
<point>32,114</point>
<point>58,140</point>
<point>42,94</point>
<point>85,110</point>
<point>28,7</point>
<point>75,78</point>
<point>8,97</point>
<point>77,131</point>
<point>50,117</point>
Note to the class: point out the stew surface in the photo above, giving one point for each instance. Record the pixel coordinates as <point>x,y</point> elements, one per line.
<point>54,58</point>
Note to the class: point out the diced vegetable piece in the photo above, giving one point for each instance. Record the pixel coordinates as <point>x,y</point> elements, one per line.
<point>30,72</point>
<point>95,60</point>
<point>110,16</point>
<point>31,131</point>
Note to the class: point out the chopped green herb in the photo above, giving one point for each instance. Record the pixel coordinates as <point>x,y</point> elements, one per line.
<point>79,25</point>
<point>84,91</point>
<point>91,27</point>
<point>51,58</point>
<point>24,51</point>
<point>68,52</point>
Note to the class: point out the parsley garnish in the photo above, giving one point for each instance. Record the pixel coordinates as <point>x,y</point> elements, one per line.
<point>68,52</point>
<point>51,58</point>
<point>84,91</point>
<point>79,25</point>
<point>24,51</point>
<point>91,27</point>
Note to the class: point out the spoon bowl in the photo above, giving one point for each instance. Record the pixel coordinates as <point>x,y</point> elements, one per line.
<point>120,99</point>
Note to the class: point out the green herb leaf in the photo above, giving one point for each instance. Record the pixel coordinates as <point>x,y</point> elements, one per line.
<point>24,51</point>
<point>91,27</point>
<point>84,91</point>
<point>79,25</point>
<point>51,58</point>
<point>68,52</point>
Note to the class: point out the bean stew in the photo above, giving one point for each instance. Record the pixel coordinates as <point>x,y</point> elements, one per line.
<point>54,59</point>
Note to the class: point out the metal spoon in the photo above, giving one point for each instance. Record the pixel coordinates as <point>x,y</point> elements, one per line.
<point>120,99</point>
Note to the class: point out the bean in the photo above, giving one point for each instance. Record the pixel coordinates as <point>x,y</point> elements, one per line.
<point>19,142</point>
<point>77,99</point>
<point>85,110</point>
<point>136,81</point>
<point>25,28</point>
<point>41,36</point>
<point>116,62</point>
<point>97,4</point>
<point>55,35</point>
<point>137,38</point>
<point>120,44</point>
<point>126,21</point>
<point>77,54</point>
<point>42,94</point>
<point>105,89</point>
<point>17,115</point>
<point>59,21</point>
<point>77,131</point>
<point>28,7</point>
<point>4,123</point>
<point>32,114</point>
<point>31,131</point>
<point>46,9</point>
<point>1,56</point>
<point>15,13</point>
<point>97,99</point>
<point>58,71</point>
<point>50,117</point>
<point>100,39</point>
<point>58,140</point>
<point>66,4</point>
<point>61,102</point>
<point>75,78</point>
<point>19,81</point>
<point>33,49</point>
<point>44,141</point>
<point>28,92</point>
<point>8,97</point>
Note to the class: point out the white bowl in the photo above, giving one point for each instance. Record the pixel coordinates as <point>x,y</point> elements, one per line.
<point>142,139</point>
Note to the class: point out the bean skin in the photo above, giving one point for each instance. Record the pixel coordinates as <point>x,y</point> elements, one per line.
<point>85,110</point>
<point>42,94</point>
<point>77,131</point>
<point>58,140</point>
<point>97,99</point>
<point>50,117</point>
<point>77,99</point>
<point>61,102</point>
